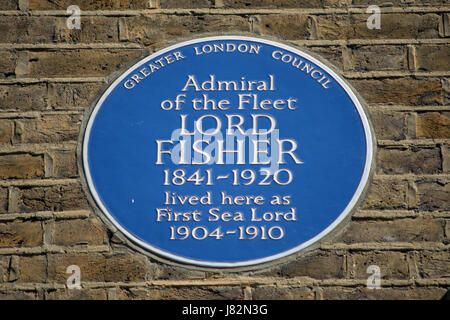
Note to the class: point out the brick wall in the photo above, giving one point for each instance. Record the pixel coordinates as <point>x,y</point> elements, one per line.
<point>49,75</point>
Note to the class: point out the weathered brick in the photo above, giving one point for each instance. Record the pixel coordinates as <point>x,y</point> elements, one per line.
<point>397,26</point>
<point>377,58</point>
<point>366,3</point>
<point>291,27</point>
<point>64,164</point>
<point>363,293</point>
<point>186,4</point>
<point>92,29</point>
<point>393,265</point>
<point>331,54</point>
<point>244,4</point>
<point>402,91</point>
<point>80,231</point>
<point>377,2</point>
<point>8,65</point>
<point>26,29</point>
<point>97,267</point>
<point>409,160</point>
<point>20,234</point>
<point>447,230</point>
<point>166,272</point>
<point>17,295</point>
<point>434,195</point>
<point>4,268</point>
<point>6,131</point>
<point>319,266</point>
<point>87,4</point>
<point>433,57</point>
<point>72,95</point>
<point>405,230</point>
<point>9,4</point>
<point>48,129</point>
<point>433,264</point>
<point>393,26</point>
<point>389,125</point>
<point>19,97</point>
<point>72,294</point>
<point>32,269</point>
<point>446,88</point>
<point>191,293</point>
<point>336,3</point>
<point>433,125</point>
<point>3,200</point>
<point>283,293</point>
<point>332,27</point>
<point>156,29</point>
<point>53,198</point>
<point>445,158</point>
<point>385,194</point>
<point>83,63</point>
<point>21,166</point>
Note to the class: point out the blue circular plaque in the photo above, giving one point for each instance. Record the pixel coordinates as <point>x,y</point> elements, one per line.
<point>227,151</point>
